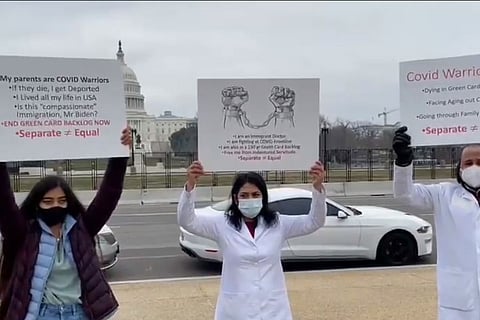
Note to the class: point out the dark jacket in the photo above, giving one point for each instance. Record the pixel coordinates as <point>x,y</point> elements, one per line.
<point>97,297</point>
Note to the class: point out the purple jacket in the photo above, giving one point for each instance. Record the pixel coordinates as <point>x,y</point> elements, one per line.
<point>97,297</point>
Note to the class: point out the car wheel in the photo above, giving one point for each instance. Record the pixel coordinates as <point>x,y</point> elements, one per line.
<point>397,248</point>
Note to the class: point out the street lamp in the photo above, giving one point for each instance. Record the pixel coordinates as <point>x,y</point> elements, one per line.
<point>134,134</point>
<point>324,131</point>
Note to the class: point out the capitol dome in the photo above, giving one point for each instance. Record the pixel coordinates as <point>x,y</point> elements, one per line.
<point>134,99</point>
<point>128,73</point>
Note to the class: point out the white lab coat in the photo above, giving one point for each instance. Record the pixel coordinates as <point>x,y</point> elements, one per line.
<point>252,284</point>
<point>457,224</point>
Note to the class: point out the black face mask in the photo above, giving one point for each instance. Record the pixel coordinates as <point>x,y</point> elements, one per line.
<point>52,216</point>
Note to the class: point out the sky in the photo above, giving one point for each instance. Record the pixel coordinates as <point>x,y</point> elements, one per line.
<point>353,47</point>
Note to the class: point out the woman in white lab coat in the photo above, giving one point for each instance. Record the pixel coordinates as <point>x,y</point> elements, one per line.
<point>251,237</point>
<point>457,226</point>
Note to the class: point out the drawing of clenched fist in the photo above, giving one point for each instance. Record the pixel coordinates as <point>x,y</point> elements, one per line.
<point>234,97</point>
<point>282,98</point>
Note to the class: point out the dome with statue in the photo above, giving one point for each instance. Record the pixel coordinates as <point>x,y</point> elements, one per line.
<point>128,73</point>
<point>137,117</point>
<point>134,99</point>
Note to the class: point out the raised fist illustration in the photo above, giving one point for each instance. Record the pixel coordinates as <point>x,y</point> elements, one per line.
<point>282,98</point>
<point>234,97</point>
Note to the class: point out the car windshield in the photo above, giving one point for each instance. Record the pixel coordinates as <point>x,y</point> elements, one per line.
<point>355,211</point>
<point>222,205</point>
<point>346,209</point>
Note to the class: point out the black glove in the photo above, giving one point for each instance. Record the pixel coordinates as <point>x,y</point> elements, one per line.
<point>401,146</point>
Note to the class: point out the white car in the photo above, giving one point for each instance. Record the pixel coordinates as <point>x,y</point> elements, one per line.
<point>361,233</point>
<point>107,248</point>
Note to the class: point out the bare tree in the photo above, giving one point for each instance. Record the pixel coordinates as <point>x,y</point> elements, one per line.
<point>387,138</point>
<point>341,135</point>
<point>368,135</point>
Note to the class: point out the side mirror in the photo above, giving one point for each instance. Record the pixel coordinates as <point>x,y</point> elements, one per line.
<point>342,215</point>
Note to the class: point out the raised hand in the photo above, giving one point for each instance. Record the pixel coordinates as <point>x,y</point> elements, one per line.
<point>126,137</point>
<point>317,171</point>
<point>401,146</point>
<point>194,172</point>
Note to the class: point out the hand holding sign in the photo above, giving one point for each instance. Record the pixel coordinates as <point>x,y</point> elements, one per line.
<point>126,137</point>
<point>318,174</point>
<point>194,172</point>
<point>401,146</point>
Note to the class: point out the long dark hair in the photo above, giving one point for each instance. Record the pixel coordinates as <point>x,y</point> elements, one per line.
<point>30,204</point>
<point>234,215</point>
<point>28,209</point>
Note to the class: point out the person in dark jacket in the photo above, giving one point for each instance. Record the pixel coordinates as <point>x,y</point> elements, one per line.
<point>49,266</point>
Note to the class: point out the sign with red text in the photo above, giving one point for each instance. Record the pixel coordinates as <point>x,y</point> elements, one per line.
<point>258,124</point>
<point>440,100</point>
<point>61,108</point>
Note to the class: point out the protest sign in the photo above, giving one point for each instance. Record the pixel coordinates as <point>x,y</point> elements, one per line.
<point>61,108</point>
<point>440,100</point>
<point>258,124</point>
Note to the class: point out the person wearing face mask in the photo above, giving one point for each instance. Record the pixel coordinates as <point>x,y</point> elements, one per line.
<point>49,266</point>
<point>250,237</point>
<point>457,223</point>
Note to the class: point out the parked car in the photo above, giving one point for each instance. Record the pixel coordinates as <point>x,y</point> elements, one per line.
<point>107,248</point>
<point>350,233</point>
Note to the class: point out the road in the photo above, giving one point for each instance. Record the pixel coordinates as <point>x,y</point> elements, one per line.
<point>148,237</point>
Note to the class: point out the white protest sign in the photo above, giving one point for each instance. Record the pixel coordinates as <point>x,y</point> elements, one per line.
<point>61,108</point>
<point>258,124</point>
<point>440,100</point>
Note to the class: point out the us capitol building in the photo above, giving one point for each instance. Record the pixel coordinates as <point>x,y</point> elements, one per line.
<point>154,131</point>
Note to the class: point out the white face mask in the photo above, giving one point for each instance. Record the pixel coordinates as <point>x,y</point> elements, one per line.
<point>250,208</point>
<point>471,176</point>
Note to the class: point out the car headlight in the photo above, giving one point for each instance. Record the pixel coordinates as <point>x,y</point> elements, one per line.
<point>423,229</point>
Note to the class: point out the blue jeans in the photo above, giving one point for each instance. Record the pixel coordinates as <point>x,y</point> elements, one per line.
<point>66,312</point>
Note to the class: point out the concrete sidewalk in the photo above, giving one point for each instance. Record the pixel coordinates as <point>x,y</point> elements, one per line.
<point>398,294</point>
